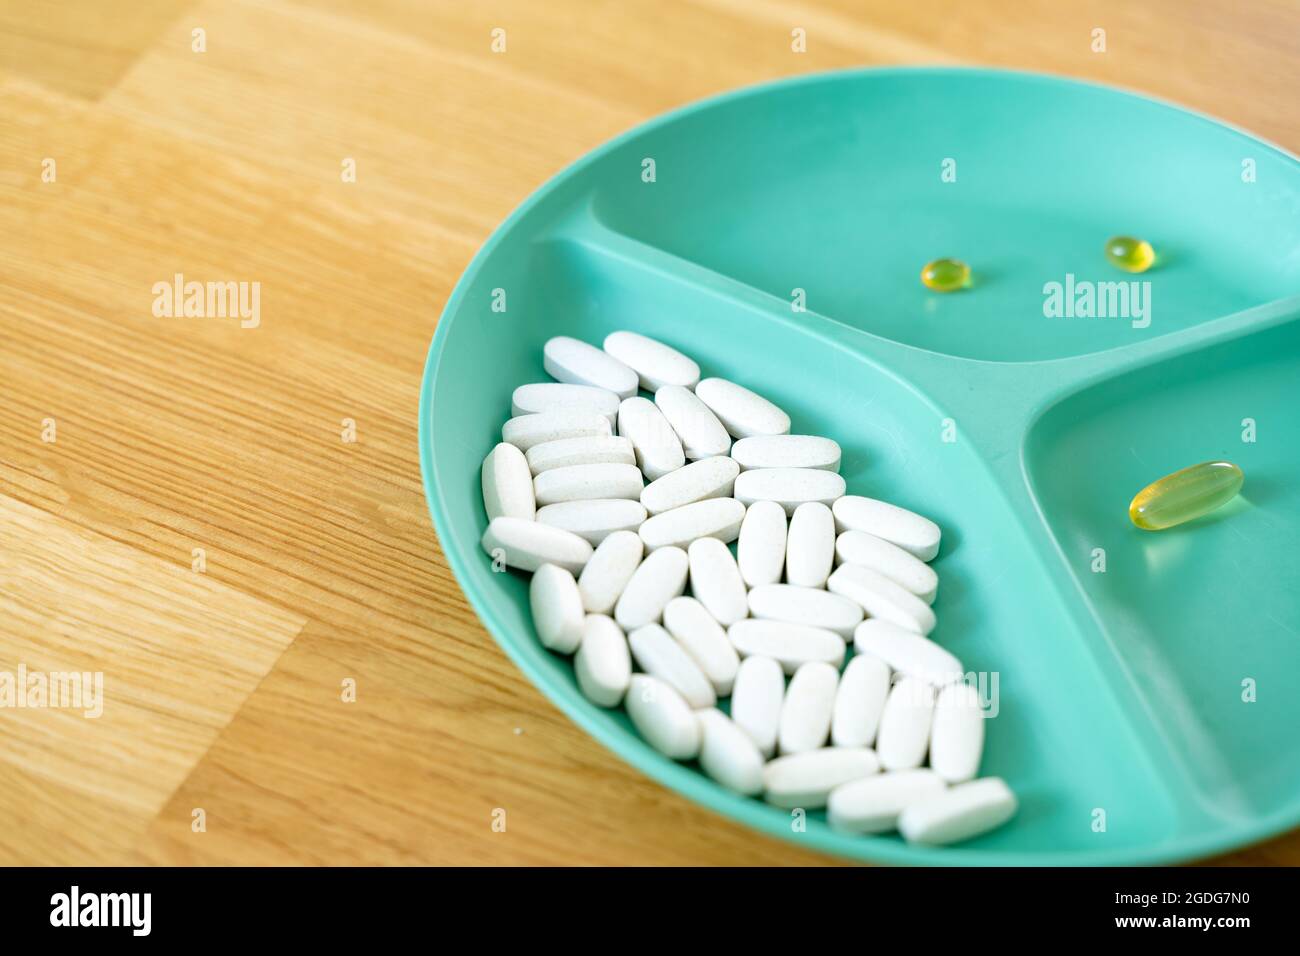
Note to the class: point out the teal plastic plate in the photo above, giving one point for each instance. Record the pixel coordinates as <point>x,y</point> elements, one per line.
<point>1147,712</point>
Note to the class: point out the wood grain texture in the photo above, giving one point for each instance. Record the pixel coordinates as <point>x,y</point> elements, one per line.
<point>224,688</point>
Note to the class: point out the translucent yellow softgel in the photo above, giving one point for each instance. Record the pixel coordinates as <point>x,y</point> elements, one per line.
<point>1129,254</point>
<point>1185,495</point>
<point>945,275</point>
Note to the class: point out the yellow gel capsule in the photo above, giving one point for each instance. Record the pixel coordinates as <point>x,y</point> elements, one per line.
<point>1129,254</point>
<point>1185,495</point>
<point>945,275</point>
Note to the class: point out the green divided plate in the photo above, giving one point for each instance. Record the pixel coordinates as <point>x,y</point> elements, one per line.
<point>1125,721</point>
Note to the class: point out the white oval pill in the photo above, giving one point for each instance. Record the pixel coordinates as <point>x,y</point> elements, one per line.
<point>811,606</point>
<point>808,708</point>
<point>786,451</point>
<point>743,413</point>
<point>585,482</point>
<point>904,732</point>
<point>656,364</point>
<point>761,546</point>
<point>914,534</point>
<point>756,700</point>
<point>810,545</point>
<point>957,734</point>
<point>728,755</point>
<point>527,545</point>
<point>570,360</point>
<point>507,484</point>
<point>872,804</point>
<point>806,779</point>
<point>712,518</point>
<point>716,581</point>
<point>658,449</point>
<point>706,478</point>
<point>663,718</point>
<point>567,452</point>
<point>656,653</point>
<point>882,598</point>
<point>704,639</point>
<point>557,609</point>
<point>701,434</point>
<point>528,430</point>
<point>611,566</point>
<point>603,664</point>
<point>901,567</point>
<point>549,396</point>
<point>789,644</point>
<point>659,578</point>
<point>959,813</point>
<point>594,520</point>
<point>864,686</point>
<point>789,487</point>
<point>907,652</point>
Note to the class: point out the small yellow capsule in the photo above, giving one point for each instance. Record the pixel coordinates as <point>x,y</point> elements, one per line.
<point>945,275</point>
<point>1185,495</point>
<point>1129,254</point>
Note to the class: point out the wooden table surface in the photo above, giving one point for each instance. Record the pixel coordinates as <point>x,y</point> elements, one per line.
<point>180,508</point>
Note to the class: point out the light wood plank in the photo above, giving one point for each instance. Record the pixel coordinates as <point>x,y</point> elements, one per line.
<point>153,659</point>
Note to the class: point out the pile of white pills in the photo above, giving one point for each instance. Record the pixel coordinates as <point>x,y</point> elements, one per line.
<point>623,508</point>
